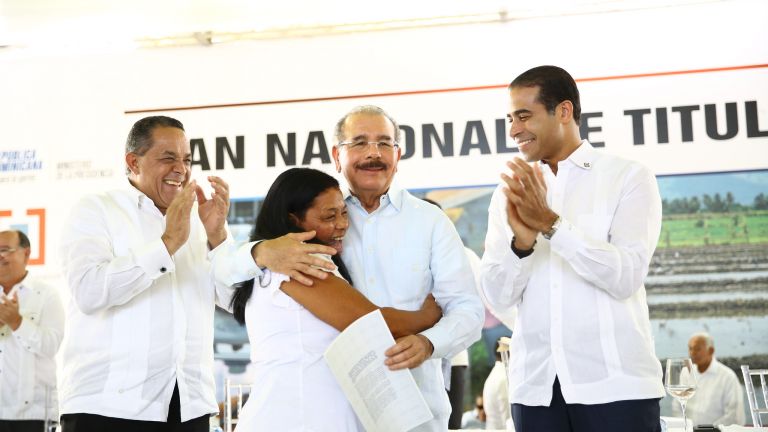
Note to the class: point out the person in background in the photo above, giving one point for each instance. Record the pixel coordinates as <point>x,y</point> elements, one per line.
<point>31,328</point>
<point>455,369</point>
<point>138,347</point>
<point>571,233</point>
<point>719,398</point>
<point>474,418</point>
<point>496,396</point>
<point>493,329</point>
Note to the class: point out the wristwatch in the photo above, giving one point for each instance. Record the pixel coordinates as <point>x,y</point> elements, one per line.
<point>555,226</point>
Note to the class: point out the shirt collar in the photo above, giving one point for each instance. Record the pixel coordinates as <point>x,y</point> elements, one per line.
<point>711,369</point>
<point>19,287</point>
<point>142,200</point>
<point>583,157</point>
<point>393,196</point>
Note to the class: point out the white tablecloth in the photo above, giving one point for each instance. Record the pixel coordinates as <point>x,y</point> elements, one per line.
<point>675,424</point>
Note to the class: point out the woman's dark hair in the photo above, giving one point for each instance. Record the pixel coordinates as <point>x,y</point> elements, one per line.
<point>292,192</point>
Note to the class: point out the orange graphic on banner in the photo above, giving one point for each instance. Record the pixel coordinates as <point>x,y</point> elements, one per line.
<point>40,214</point>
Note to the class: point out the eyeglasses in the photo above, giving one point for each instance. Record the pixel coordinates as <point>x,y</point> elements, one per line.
<point>7,251</point>
<point>360,146</point>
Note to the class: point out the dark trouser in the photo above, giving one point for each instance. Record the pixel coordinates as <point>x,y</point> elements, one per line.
<point>97,423</point>
<point>626,416</point>
<point>22,425</point>
<point>456,396</point>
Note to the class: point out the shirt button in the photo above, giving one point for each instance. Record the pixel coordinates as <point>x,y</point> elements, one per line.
<point>162,269</point>
<point>120,391</point>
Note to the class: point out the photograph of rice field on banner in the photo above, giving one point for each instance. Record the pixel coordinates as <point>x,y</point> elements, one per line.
<point>709,272</point>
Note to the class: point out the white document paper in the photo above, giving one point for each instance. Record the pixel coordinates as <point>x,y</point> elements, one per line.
<point>384,400</point>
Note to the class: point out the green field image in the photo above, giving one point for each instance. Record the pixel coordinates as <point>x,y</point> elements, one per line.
<point>701,229</point>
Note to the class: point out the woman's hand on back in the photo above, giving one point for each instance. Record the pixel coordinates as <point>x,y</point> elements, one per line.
<point>431,310</point>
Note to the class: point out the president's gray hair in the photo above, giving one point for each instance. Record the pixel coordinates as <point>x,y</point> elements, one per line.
<point>338,132</point>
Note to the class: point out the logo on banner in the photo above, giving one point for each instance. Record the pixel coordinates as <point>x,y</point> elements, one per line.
<point>31,223</point>
<point>19,166</point>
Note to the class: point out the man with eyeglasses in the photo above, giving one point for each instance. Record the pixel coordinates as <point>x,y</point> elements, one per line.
<point>399,249</point>
<point>31,329</point>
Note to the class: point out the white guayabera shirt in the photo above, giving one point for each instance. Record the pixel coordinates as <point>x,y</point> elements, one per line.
<point>582,310</point>
<point>138,320</point>
<point>27,366</point>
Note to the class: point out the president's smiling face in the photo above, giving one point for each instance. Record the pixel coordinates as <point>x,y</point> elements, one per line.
<point>369,169</point>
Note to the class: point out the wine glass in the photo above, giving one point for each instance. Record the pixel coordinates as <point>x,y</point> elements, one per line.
<point>680,382</point>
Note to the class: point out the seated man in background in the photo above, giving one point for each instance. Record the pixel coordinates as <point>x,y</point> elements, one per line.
<point>496,396</point>
<point>31,328</point>
<point>474,419</point>
<point>719,398</point>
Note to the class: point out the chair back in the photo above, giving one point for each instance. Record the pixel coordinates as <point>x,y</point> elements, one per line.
<point>233,393</point>
<point>754,405</point>
<point>51,423</point>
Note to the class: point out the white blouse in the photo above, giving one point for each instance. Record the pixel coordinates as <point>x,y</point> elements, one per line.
<point>294,389</point>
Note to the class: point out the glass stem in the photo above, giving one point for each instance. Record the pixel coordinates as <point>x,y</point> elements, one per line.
<point>685,420</point>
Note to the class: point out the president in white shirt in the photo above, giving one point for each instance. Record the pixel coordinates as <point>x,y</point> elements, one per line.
<point>569,241</point>
<point>138,348</point>
<point>399,249</point>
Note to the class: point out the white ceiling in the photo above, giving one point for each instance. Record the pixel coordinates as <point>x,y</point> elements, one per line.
<point>58,23</point>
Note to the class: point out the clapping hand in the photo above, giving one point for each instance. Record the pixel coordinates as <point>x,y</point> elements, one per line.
<point>527,211</point>
<point>9,311</point>
<point>177,218</point>
<point>213,212</point>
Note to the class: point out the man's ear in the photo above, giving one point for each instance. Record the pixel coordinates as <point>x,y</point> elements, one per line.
<point>132,162</point>
<point>294,219</point>
<point>397,157</point>
<point>335,153</point>
<point>566,111</point>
